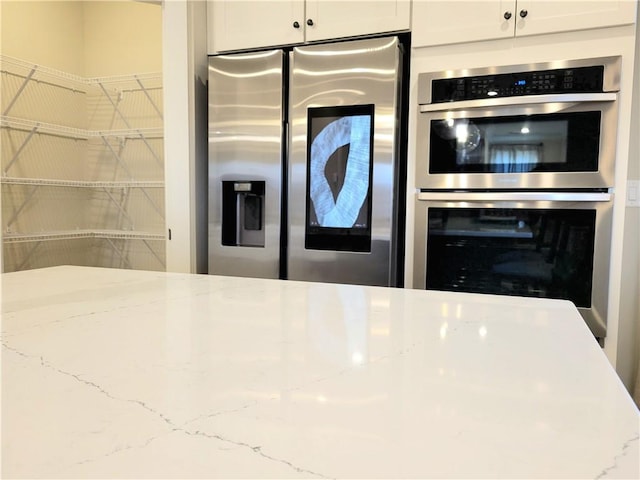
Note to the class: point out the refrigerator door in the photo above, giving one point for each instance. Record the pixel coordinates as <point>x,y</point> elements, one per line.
<point>342,162</point>
<point>245,163</point>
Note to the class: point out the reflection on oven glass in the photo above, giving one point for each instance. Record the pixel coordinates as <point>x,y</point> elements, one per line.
<point>520,146</point>
<point>515,144</point>
<point>524,252</point>
<point>510,146</point>
<point>468,137</point>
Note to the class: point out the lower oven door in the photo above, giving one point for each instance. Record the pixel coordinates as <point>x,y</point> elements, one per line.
<point>532,244</point>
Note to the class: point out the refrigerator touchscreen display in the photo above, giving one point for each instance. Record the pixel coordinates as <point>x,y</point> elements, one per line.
<point>339,171</point>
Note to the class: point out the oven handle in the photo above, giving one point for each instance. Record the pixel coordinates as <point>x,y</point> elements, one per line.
<point>518,101</point>
<point>515,196</point>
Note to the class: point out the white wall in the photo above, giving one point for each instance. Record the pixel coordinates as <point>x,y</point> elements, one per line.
<point>185,107</point>
<point>628,364</point>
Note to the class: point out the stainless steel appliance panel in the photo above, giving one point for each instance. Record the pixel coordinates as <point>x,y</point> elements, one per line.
<point>245,163</point>
<point>355,73</point>
<point>611,73</point>
<point>545,94</point>
<point>569,205</point>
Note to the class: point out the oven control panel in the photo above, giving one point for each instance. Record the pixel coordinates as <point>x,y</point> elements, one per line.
<point>563,80</point>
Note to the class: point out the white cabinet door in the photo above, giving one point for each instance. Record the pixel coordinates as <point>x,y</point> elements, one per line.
<point>440,22</point>
<point>331,19</point>
<point>544,16</point>
<point>237,25</point>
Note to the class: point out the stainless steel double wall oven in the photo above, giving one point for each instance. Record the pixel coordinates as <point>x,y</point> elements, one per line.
<point>515,169</point>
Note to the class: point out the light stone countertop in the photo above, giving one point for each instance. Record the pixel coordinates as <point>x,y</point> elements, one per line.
<point>127,374</point>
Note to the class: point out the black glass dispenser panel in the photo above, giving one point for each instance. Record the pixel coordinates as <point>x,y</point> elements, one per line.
<point>339,171</point>
<point>243,213</point>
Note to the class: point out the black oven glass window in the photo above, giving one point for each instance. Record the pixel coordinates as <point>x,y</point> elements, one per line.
<point>522,252</point>
<point>339,171</point>
<point>562,142</point>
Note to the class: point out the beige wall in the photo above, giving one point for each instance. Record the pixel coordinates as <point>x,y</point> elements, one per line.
<point>122,37</point>
<point>90,38</point>
<point>47,33</point>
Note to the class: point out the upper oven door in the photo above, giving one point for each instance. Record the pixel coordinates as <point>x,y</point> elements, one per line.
<point>543,141</point>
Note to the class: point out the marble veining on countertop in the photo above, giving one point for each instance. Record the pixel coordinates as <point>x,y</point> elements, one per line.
<point>126,374</point>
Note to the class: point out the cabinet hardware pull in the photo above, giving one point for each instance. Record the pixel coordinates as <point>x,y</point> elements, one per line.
<point>523,13</point>
<point>310,22</point>
<point>296,25</point>
<point>507,15</point>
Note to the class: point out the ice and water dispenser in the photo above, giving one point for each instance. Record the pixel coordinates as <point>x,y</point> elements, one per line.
<point>243,213</point>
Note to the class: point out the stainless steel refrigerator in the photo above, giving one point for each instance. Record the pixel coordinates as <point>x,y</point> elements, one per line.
<point>306,171</point>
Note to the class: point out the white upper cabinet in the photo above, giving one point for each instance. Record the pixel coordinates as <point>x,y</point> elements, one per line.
<point>439,22</point>
<point>540,16</point>
<point>335,19</point>
<point>239,25</point>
